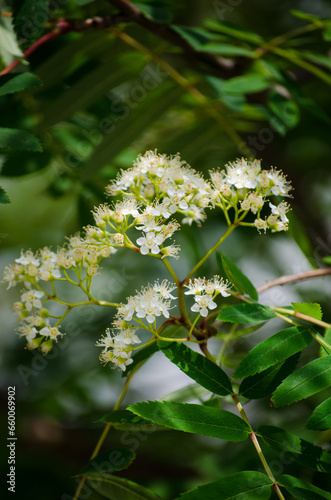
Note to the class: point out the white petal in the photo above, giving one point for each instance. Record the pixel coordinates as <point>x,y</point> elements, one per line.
<point>144,250</point>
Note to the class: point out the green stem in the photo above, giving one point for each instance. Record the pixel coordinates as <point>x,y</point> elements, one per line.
<point>209,253</point>
<point>253,437</point>
<point>278,40</point>
<point>258,447</point>
<point>63,316</point>
<point>293,57</point>
<point>305,317</point>
<point>321,341</point>
<point>192,326</point>
<point>106,429</point>
<point>171,271</point>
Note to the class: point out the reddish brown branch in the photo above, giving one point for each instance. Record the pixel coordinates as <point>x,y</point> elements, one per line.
<point>283,280</point>
<point>63,26</point>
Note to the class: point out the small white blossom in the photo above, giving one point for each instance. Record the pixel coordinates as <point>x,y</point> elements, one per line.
<point>150,242</point>
<point>202,304</point>
<point>32,299</point>
<point>28,258</point>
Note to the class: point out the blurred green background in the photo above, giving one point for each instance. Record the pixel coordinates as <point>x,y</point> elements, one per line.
<point>99,105</point>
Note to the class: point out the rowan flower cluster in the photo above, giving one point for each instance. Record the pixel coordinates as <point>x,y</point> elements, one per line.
<point>148,304</point>
<point>205,291</point>
<point>155,189</point>
<point>166,184</point>
<point>244,186</point>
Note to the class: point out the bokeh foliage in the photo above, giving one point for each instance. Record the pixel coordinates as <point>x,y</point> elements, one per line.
<point>227,81</point>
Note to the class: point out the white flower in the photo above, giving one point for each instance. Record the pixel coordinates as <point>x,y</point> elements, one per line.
<point>49,270</point>
<point>128,336</point>
<point>243,173</point>
<point>194,214</point>
<point>126,311</point>
<point>202,304</point>
<point>217,285</point>
<point>119,356</point>
<point>150,243</point>
<point>278,183</point>
<point>195,286</point>
<point>51,332</point>
<point>205,291</point>
<point>32,299</point>
<point>27,258</point>
<point>280,210</point>
<point>10,276</point>
<point>149,224</point>
<point>164,289</point>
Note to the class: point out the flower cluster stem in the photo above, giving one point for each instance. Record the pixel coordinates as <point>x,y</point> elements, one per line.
<point>258,447</point>
<point>106,429</point>
<point>209,253</point>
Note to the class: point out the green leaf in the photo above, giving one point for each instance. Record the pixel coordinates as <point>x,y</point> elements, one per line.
<point>234,31</point>
<point>236,276</point>
<point>124,417</point>
<point>196,37</point>
<point>118,488</point>
<point>4,198</point>
<point>306,17</point>
<point>241,332</point>
<point>302,490</point>
<point>13,138</point>
<point>247,84</point>
<point>109,461</point>
<point>274,350</point>
<point>302,451</point>
<point>286,110</point>
<point>321,417</point>
<point>187,393</point>
<point>246,313</point>
<point>195,419</point>
<point>198,367</point>
<point>325,351</point>
<point>156,14</point>
<point>239,486</point>
<point>308,380</point>
<point>141,356</point>
<point>25,162</point>
<point>263,384</point>
<point>235,102</point>
<point>226,49</point>
<point>321,59</point>
<point>93,85</point>
<point>30,18</point>
<point>327,33</point>
<point>310,309</point>
<point>9,48</point>
<point>125,420</point>
<point>10,84</point>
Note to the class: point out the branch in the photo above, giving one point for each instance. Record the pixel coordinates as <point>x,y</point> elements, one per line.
<point>63,26</point>
<point>283,280</point>
<point>134,14</point>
